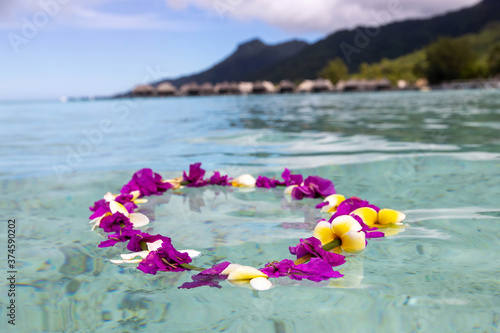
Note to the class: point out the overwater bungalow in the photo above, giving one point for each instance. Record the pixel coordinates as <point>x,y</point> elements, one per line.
<point>380,84</point>
<point>227,88</point>
<point>286,86</point>
<point>190,89</point>
<point>166,89</point>
<point>263,87</point>
<point>245,87</point>
<point>207,89</point>
<point>322,85</point>
<point>364,85</point>
<point>143,90</point>
<point>305,87</point>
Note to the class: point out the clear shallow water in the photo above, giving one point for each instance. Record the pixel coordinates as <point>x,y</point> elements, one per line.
<point>434,156</point>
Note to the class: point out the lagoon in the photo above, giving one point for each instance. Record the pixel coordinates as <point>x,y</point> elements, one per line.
<point>434,156</point>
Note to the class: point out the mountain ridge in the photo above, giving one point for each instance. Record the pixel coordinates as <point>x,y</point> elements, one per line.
<point>297,60</point>
<point>249,56</point>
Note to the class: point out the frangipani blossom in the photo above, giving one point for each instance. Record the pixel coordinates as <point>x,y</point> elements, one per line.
<point>246,274</point>
<point>333,201</point>
<point>345,227</point>
<point>244,181</point>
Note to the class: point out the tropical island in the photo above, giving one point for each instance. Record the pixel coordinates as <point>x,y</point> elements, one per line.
<point>457,50</point>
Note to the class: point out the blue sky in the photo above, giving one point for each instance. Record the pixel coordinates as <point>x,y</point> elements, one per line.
<point>100,47</point>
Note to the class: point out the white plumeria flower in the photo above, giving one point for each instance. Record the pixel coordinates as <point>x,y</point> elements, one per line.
<point>288,190</point>
<point>242,275</point>
<point>244,181</point>
<point>334,201</point>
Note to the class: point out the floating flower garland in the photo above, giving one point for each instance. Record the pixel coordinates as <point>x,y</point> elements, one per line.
<point>352,222</point>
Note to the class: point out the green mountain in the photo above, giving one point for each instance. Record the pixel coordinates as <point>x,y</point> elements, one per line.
<point>389,41</point>
<point>248,58</point>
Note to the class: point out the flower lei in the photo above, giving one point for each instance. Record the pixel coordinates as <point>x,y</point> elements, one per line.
<point>352,222</point>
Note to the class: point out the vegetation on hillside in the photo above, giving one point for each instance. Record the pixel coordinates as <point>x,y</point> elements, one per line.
<point>335,71</point>
<point>466,57</point>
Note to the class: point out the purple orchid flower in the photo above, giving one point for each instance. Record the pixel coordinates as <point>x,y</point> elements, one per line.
<point>209,277</point>
<point>314,187</point>
<point>195,177</point>
<point>266,182</point>
<point>315,270</point>
<point>123,235</point>
<point>100,208</point>
<point>115,222</point>
<point>165,258</point>
<point>134,244</point>
<point>290,179</point>
<point>313,246</point>
<point>217,179</point>
<point>147,183</point>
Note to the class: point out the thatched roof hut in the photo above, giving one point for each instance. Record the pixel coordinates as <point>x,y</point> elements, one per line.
<point>322,85</point>
<point>364,85</point>
<point>227,88</point>
<point>166,89</point>
<point>286,86</point>
<point>245,87</point>
<point>190,89</point>
<point>352,85</point>
<point>207,89</point>
<point>380,84</point>
<point>143,90</point>
<point>305,86</point>
<point>263,87</point>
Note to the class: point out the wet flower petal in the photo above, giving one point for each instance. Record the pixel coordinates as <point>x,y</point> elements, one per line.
<point>323,232</point>
<point>138,220</point>
<point>389,216</point>
<point>289,189</point>
<point>333,201</point>
<point>367,214</point>
<point>245,273</point>
<point>117,207</point>
<point>343,224</point>
<point>230,268</point>
<point>353,241</point>
<point>191,253</point>
<point>244,181</point>
<point>260,283</point>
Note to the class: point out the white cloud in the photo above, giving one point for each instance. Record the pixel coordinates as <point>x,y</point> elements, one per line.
<point>291,15</point>
<point>322,15</point>
<point>84,14</point>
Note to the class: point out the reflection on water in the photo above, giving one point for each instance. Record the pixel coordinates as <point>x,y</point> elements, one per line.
<point>434,156</point>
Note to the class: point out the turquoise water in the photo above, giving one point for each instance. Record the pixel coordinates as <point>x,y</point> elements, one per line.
<point>434,156</point>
